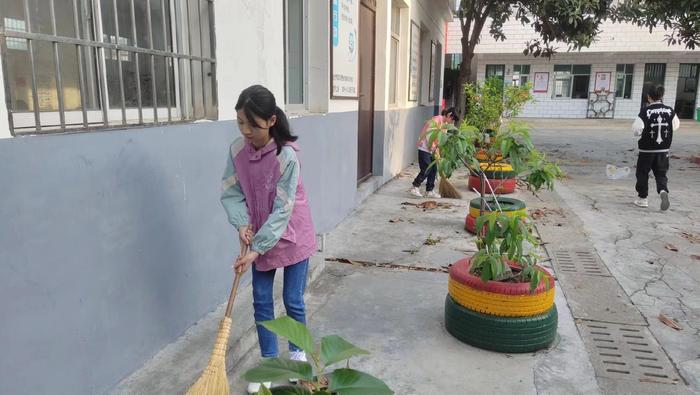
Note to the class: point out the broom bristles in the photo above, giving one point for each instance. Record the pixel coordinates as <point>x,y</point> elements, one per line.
<point>213,380</point>
<point>447,190</point>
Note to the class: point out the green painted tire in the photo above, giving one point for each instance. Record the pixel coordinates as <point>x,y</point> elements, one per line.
<point>500,334</point>
<point>507,204</point>
<point>500,174</point>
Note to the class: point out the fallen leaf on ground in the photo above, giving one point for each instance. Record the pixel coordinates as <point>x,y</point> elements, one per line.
<point>395,220</point>
<point>691,237</point>
<point>430,241</point>
<point>696,257</point>
<point>429,205</point>
<point>675,157</point>
<point>669,322</point>
<point>671,247</point>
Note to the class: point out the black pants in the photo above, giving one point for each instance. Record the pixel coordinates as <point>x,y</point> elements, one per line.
<point>424,161</point>
<point>656,162</point>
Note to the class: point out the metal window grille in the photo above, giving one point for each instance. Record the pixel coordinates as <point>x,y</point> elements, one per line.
<point>122,78</point>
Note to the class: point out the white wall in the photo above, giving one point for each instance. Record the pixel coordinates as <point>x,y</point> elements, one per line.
<point>548,107</point>
<point>4,120</point>
<point>249,50</point>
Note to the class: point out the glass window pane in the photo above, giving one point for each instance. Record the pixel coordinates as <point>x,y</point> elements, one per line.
<point>144,78</point>
<point>582,69</point>
<point>157,24</point>
<point>619,85</point>
<point>141,20</point>
<point>562,85</point>
<point>523,80</point>
<point>392,70</point>
<point>194,35</point>
<point>629,69</point>
<point>40,16</point>
<point>620,68</point>
<point>45,81</point>
<point>295,51</point>
<point>516,69</point>
<point>580,87</point>
<point>562,68</point>
<point>525,69</point>
<point>628,87</point>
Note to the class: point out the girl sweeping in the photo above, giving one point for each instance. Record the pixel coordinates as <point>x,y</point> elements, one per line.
<point>265,201</point>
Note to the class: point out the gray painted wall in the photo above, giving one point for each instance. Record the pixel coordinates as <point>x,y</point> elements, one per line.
<point>395,136</point>
<point>113,243</point>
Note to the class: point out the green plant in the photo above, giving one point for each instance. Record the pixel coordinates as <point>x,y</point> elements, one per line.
<point>504,239</point>
<point>331,350</point>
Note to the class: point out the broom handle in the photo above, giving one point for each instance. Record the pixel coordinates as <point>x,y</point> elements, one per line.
<point>234,288</point>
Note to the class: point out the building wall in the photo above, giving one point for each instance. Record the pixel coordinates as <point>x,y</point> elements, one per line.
<point>544,105</point>
<point>114,242</point>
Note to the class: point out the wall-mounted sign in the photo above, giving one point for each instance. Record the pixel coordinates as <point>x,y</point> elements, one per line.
<point>541,83</point>
<point>414,67</point>
<point>344,48</point>
<point>602,82</point>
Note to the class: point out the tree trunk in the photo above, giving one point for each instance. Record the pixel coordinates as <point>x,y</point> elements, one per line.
<point>465,74</point>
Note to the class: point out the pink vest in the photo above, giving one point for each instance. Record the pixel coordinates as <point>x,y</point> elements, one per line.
<point>258,173</point>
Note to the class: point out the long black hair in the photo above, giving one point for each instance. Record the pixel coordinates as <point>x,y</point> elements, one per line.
<point>256,100</point>
<point>451,111</point>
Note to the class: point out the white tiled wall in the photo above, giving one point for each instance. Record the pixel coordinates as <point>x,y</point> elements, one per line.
<point>544,106</point>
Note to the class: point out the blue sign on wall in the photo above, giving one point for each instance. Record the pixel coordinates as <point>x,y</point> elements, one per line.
<point>334,22</point>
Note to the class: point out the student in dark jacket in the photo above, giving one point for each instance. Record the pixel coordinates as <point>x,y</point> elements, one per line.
<point>654,126</point>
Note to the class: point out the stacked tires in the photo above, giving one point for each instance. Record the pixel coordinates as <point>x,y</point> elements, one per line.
<point>510,207</point>
<point>500,316</point>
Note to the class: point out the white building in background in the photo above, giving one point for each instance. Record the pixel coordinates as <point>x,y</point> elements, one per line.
<point>115,122</point>
<point>623,61</point>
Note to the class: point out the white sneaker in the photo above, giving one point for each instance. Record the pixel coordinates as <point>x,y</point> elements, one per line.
<point>434,195</point>
<point>641,202</point>
<point>416,192</point>
<point>254,388</point>
<point>665,204</point>
<point>297,356</point>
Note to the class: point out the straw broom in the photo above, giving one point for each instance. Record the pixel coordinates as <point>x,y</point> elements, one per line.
<point>213,380</point>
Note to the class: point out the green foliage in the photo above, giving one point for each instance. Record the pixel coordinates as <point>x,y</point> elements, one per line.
<point>485,105</point>
<point>333,349</point>
<point>455,146</point>
<point>502,239</point>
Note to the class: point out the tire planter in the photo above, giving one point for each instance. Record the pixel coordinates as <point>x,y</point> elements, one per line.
<point>510,206</point>
<point>498,171</point>
<point>482,156</point>
<point>500,186</point>
<point>499,298</point>
<point>501,334</point>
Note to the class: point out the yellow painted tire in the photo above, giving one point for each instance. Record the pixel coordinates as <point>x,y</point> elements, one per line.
<point>496,166</point>
<point>474,212</point>
<point>501,305</point>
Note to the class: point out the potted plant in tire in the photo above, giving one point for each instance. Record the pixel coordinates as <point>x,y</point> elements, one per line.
<point>314,375</point>
<point>500,299</point>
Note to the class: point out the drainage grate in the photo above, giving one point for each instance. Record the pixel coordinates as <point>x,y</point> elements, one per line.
<point>579,262</point>
<point>627,352</point>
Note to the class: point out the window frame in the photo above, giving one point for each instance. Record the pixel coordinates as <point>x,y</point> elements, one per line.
<point>625,76</point>
<point>178,58</point>
<point>303,106</point>
<point>571,77</point>
<point>395,39</point>
<point>521,75</point>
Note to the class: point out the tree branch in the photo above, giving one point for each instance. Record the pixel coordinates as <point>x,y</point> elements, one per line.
<point>479,25</point>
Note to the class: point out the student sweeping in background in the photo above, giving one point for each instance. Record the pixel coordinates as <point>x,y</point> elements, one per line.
<point>265,201</point>
<point>426,155</point>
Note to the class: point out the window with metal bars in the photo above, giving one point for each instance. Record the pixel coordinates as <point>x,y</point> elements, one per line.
<point>72,65</point>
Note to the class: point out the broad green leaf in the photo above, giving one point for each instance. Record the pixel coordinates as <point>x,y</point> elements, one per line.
<point>353,382</point>
<point>335,349</point>
<point>278,369</point>
<point>264,390</point>
<point>289,390</point>
<point>293,330</point>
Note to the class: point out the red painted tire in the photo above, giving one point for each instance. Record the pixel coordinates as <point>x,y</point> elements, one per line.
<point>460,273</point>
<point>501,187</point>
<point>470,224</point>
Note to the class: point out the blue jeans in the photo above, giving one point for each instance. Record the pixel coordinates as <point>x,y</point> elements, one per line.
<point>264,304</point>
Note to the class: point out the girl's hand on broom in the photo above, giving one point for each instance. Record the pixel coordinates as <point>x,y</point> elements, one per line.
<point>245,235</point>
<point>244,262</point>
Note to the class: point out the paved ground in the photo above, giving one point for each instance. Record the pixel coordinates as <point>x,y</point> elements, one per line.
<point>654,255</point>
